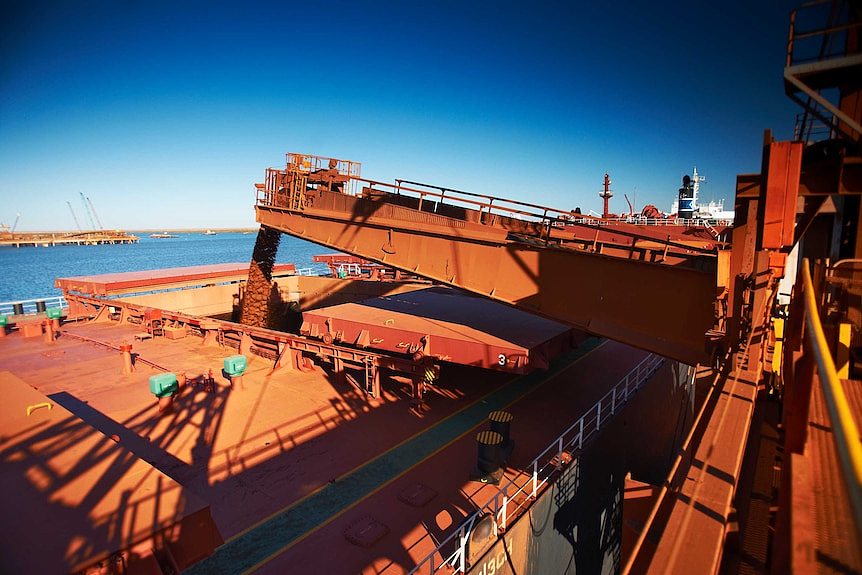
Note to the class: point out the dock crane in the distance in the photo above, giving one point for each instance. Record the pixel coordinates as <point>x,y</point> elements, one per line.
<point>74,217</point>
<point>91,212</point>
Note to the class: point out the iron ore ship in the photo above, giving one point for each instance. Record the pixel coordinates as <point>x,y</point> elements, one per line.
<point>478,385</point>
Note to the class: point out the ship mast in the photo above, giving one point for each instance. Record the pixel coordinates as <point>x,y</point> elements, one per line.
<point>606,194</point>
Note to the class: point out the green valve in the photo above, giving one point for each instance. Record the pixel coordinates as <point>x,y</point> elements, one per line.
<point>163,384</point>
<point>4,320</point>
<point>235,365</point>
<point>54,313</point>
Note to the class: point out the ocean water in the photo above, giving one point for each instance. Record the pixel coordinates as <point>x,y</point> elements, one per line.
<point>29,273</point>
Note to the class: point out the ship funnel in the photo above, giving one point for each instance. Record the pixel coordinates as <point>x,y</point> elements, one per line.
<point>686,199</point>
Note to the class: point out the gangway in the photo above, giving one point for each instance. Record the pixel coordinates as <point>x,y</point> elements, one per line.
<point>655,294</point>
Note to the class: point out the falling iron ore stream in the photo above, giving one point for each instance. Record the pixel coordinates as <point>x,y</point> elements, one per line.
<point>255,308</point>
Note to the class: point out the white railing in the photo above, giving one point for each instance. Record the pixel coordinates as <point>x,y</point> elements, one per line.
<point>350,269</point>
<point>31,306</point>
<point>513,499</point>
<point>319,270</point>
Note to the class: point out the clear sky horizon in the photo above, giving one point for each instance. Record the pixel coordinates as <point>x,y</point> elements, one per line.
<point>166,114</point>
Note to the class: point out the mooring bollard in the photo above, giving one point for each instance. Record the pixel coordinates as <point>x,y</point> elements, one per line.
<point>54,314</point>
<point>126,351</point>
<point>489,457</point>
<point>501,423</point>
<point>48,332</point>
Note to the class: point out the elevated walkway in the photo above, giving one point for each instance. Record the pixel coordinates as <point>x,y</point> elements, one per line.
<point>536,258</point>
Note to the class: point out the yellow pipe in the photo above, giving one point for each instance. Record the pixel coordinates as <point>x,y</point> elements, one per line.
<point>842,354</point>
<point>846,432</point>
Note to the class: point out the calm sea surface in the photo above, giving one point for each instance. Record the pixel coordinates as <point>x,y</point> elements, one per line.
<point>29,273</point>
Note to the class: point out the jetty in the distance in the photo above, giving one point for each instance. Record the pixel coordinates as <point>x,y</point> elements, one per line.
<point>82,238</point>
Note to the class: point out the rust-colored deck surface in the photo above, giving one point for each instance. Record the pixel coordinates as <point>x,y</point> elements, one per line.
<point>114,283</point>
<point>72,496</point>
<point>245,452</point>
<point>451,325</point>
<point>694,531</point>
<point>287,436</point>
<point>399,534</point>
<point>824,534</point>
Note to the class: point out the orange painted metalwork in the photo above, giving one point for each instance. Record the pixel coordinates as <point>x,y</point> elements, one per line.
<point>126,351</point>
<point>105,284</point>
<point>279,346</point>
<point>513,260</point>
<point>445,325</point>
<point>783,168</point>
<point>95,504</point>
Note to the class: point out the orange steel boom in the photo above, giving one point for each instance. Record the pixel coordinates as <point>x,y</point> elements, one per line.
<point>651,293</point>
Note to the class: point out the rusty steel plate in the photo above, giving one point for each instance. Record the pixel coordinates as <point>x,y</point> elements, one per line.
<point>114,283</point>
<point>447,324</point>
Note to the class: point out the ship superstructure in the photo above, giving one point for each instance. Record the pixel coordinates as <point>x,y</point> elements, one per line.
<point>692,208</point>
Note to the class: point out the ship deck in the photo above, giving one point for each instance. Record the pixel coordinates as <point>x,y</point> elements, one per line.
<point>294,456</point>
<point>543,406</point>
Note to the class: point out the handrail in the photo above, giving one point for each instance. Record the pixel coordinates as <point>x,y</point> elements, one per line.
<point>544,220</point>
<point>503,507</point>
<point>845,431</point>
<point>828,29</point>
<point>472,194</point>
<point>840,263</point>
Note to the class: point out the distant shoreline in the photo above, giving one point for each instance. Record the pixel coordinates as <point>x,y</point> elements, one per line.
<point>143,231</point>
<point>191,230</point>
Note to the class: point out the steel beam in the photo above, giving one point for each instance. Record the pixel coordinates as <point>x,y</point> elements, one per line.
<point>784,162</point>
<point>661,308</point>
<point>817,97</point>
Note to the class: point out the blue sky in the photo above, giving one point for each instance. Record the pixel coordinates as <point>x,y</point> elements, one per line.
<point>166,116</point>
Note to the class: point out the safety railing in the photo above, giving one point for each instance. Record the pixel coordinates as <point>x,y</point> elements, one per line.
<point>267,195</point>
<point>517,494</point>
<point>809,128</point>
<point>312,270</point>
<point>32,306</point>
<point>822,35</point>
<point>822,41</point>
<point>846,433</point>
<point>540,222</point>
<point>309,163</point>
